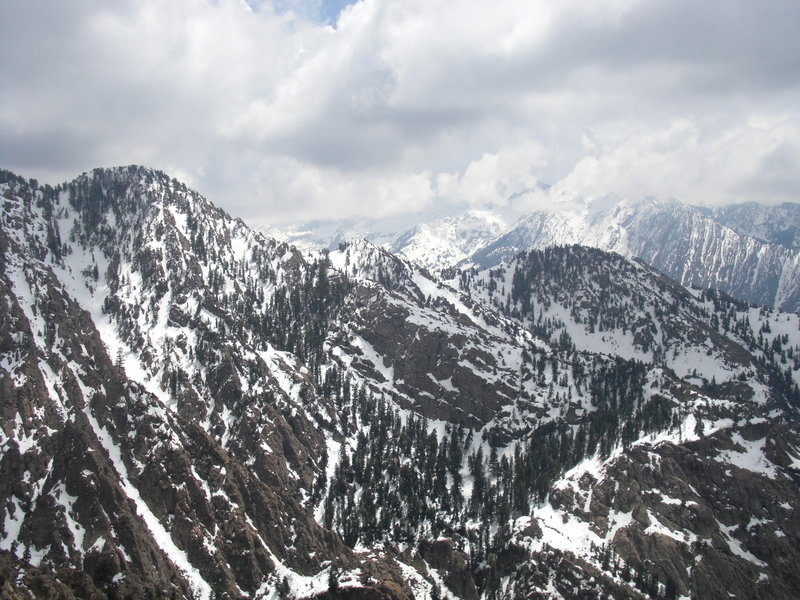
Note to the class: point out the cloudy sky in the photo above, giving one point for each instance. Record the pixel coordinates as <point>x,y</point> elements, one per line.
<point>291,109</point>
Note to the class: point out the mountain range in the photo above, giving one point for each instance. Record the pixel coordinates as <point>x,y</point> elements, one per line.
<point>750,251</point>
<point>193,409</point>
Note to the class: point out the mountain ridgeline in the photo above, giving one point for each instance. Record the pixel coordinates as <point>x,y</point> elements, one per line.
<point>750,251</point>
<point>746,250</point>
<point>191,409</point>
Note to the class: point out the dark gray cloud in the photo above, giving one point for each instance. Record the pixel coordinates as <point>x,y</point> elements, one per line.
<point>276,114</point>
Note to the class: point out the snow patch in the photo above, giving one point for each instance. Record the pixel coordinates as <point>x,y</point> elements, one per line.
<point>162,537</point>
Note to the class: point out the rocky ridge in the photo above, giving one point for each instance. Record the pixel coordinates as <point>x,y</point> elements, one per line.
<point>250,422</point>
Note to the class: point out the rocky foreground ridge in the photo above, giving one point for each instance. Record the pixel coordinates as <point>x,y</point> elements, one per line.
<point>193,410</point>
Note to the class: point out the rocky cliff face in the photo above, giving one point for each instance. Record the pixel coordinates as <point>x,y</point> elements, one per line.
<point>418,341</point>
<point>772,224</point>
<point>191,409</point>
<point>178,451</point>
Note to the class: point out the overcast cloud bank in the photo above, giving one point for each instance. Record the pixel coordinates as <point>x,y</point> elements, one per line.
<point>401,106</point>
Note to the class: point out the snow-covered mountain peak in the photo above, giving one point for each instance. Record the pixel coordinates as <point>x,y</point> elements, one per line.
<point>449,241</point>
<point>746,251</point>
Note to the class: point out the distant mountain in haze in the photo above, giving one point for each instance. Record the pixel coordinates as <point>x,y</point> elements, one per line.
<point>746,250</point>
<point>750,251</point>
<point>779,224</point>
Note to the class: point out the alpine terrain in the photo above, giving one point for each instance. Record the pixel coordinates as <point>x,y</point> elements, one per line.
<point>746,250</point>
<point>750,251</point>
<point>193,409</point>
